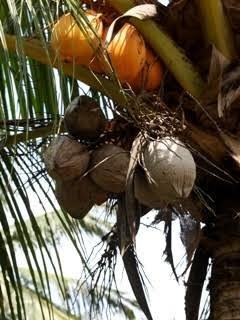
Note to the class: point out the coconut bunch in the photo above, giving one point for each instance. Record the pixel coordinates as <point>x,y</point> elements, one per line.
<point>86,172</point>
<point>67,161</point>
<point>88,167</point>
<point>126,56</point>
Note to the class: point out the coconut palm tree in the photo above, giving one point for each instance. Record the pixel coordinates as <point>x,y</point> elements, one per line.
<point>197,41</point>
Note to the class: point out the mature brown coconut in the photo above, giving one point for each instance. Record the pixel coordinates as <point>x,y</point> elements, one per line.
<point>78,196</point>
<point>143,192</point>
<point>109,166</point>
<point>169,176</point>
<point>84,118</point>
<point>66,158</point>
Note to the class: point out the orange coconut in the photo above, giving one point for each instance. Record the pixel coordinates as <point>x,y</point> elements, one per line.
<point>151,75</point>
<point>72,42</point>
<point>98,62</point>
<point>127,53</point>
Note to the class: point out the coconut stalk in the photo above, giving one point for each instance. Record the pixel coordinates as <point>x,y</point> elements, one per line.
<point>176,62</point>
<point>216,27</point>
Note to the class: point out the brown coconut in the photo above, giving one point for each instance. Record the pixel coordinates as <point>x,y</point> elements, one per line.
<point>66,158</point>
<point>78,196</point>
<point>170,173</point>
<point>144,193</point>
<point>84,118</point>
<point>109,166</point>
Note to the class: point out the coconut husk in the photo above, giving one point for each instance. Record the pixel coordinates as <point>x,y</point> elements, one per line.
<point>66,158</point>
<point>84,119</point>
<point>169,174</point>
<point>168,161</point>
<point>109,166</point>
<point>143,192</point>
<point>78,196</point>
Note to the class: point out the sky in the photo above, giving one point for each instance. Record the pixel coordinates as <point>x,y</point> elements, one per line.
<point>166,296</point>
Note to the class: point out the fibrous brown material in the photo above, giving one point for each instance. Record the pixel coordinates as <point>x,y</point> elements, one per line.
<point>84,119</point>
<point>78,196</point>
<point>66,158</point>
<point>109,166</point>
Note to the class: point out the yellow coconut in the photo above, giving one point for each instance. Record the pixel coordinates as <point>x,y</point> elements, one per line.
<point>78,43</point>
<point>151,75</point>
<point>127,52</point>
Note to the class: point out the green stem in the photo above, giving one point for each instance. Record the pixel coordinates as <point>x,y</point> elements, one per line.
<point>216,27</point>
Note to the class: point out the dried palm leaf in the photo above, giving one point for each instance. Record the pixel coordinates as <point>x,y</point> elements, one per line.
<point>195,283</point>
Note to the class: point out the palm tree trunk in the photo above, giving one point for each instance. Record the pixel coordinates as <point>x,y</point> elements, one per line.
<point>225,286</point>
<point>224,283</point>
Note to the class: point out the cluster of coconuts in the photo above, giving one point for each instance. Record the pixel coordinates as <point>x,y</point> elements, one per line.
<point>84,177</point>
<point>87,176</point>
<point>133,62</point>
